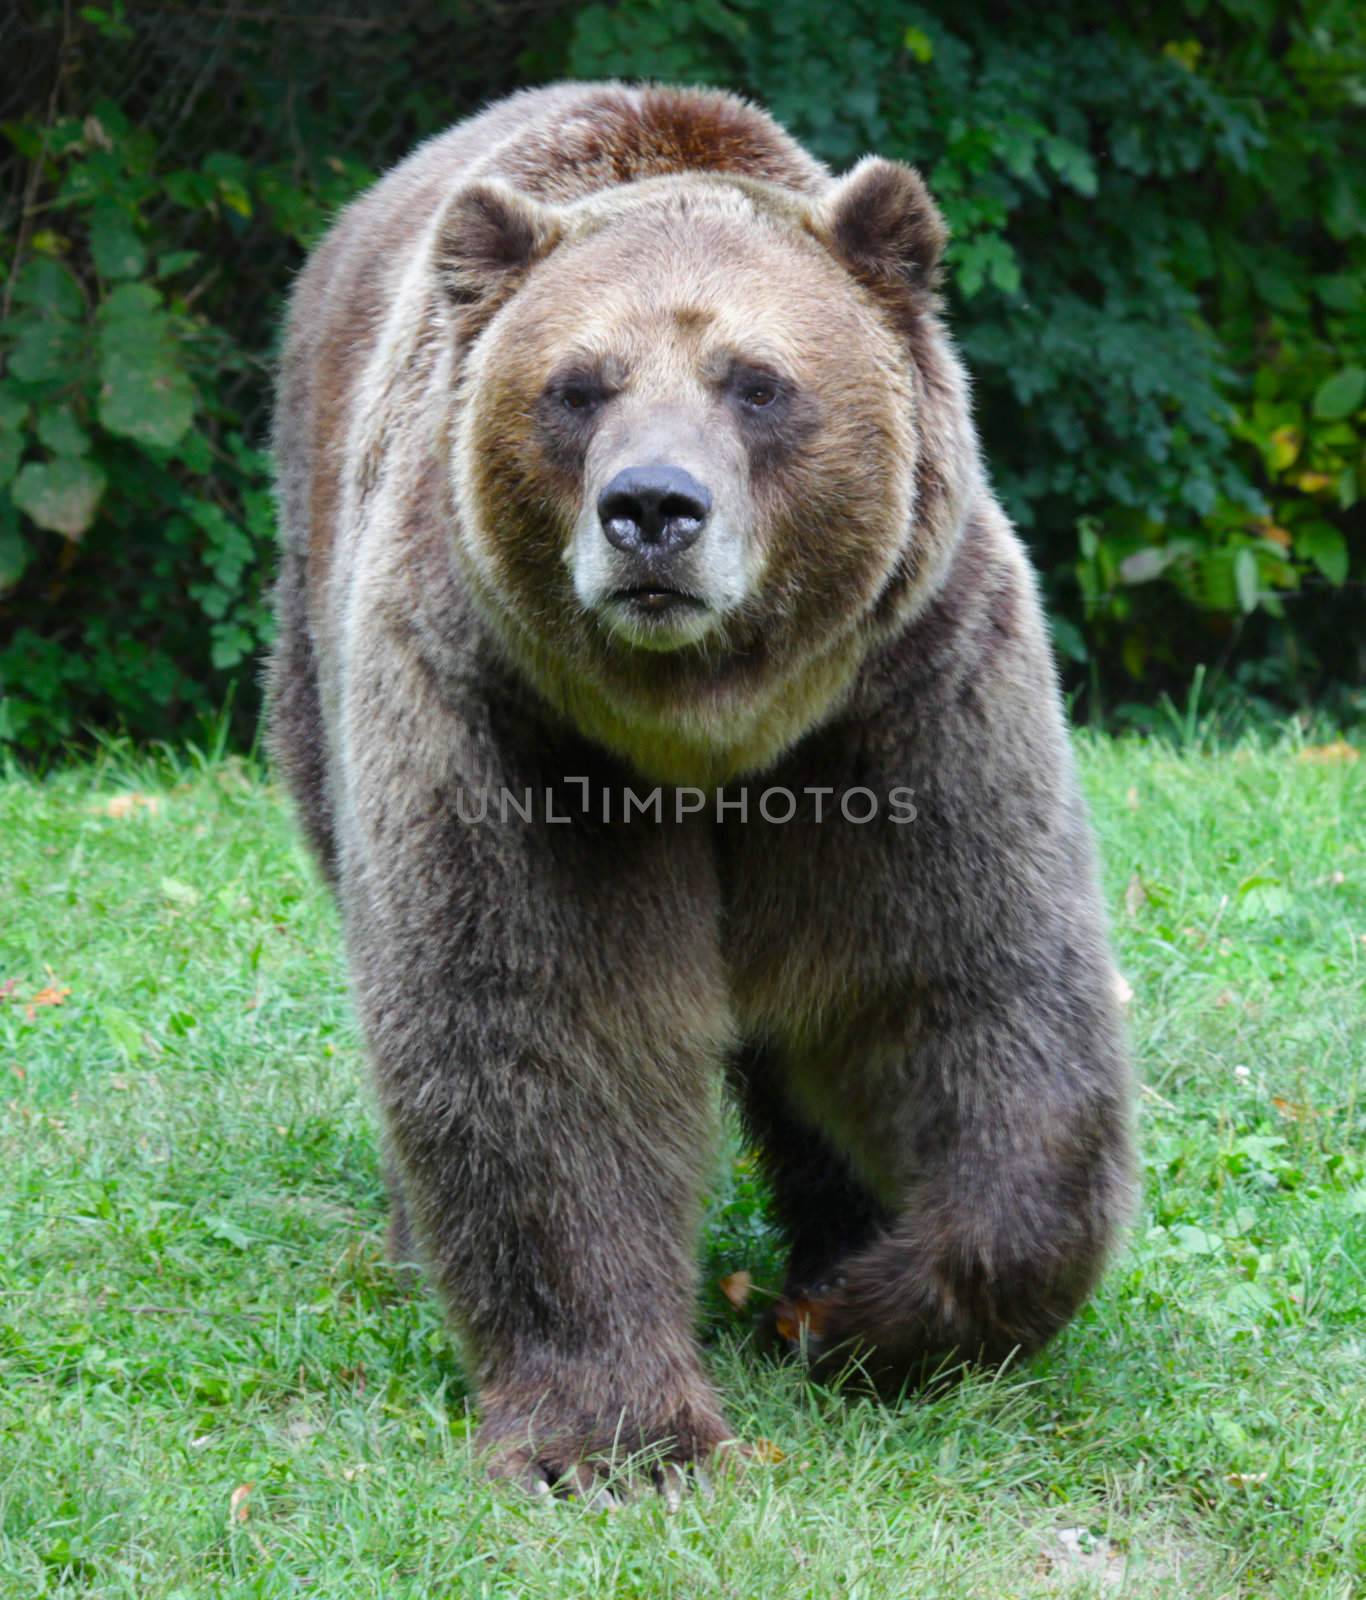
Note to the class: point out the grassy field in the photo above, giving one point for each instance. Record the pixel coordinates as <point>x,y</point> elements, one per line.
<point>211,1384</point>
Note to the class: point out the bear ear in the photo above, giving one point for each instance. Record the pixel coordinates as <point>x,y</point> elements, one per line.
<point>881,222</point>
<point>489,237</point>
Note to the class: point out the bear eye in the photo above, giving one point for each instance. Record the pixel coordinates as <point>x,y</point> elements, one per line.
<point>574,397</point>
<point>759,393</point>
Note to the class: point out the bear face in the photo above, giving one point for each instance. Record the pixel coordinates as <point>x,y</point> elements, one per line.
<point>690,455</point>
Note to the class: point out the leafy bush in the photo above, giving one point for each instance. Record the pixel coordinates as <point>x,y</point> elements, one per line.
<point>114,436</point>
<point>1158,277</point>
<point>156,227</point>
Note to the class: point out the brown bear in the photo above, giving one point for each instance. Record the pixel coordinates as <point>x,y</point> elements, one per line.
<point>668,700</point>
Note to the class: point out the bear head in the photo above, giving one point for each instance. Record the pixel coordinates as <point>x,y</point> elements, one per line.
<point>710,442</point>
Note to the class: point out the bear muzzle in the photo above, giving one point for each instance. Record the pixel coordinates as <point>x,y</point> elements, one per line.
<point>651,515</point>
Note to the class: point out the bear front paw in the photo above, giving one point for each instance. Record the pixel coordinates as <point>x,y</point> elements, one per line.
<point>555,1444</point>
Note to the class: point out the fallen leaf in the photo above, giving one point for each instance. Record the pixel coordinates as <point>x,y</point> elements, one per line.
<point>124,805</point>
<point>1135,896</point>
<point>1327,755</point>
<point>1292,1111</point>
<point>1225,997</point>
<point>1131,799</point>
<point>764,1453</point>
<point>736,1287</point>
<point>238,1509</point>
<point>48,995</point>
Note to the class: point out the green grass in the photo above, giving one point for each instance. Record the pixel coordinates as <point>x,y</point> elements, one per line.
<point>193,1298</point>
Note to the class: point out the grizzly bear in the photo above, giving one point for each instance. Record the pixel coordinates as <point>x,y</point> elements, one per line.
<point>669,703</point>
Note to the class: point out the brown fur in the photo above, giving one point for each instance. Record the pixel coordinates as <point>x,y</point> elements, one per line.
<point>918,1020</point>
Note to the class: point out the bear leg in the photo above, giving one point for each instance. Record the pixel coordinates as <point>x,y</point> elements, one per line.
<point>992,1254</point>
<point>546,1017</point>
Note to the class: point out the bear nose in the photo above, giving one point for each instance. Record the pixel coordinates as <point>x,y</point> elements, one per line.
<point>653,511</point>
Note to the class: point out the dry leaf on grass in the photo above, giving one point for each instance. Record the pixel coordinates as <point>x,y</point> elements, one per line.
<point>735,1457</point>
<point>736,1287</point>
<point>124,805</point>
<point>239,1509</point>
<point>1135,896</point>
<point>48,995</point>
<point>1329,755</point>
<point>1292,1110</point>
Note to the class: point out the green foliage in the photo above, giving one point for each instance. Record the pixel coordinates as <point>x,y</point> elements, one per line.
<point>129,497</point>
<point>161,182</point>
<point>1157,275</point>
